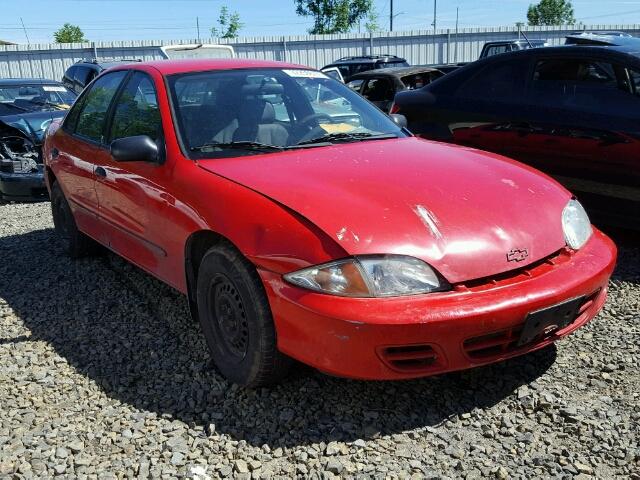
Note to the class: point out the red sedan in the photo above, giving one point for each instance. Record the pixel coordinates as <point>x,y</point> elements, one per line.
<point>301,222</point>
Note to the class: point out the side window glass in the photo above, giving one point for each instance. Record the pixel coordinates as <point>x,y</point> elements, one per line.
<point>497,81</point>
<point>634,77</point>
<point>377,90</point>
<point>91,118</point>
<point>345,71</point>
<point>577,83</point>
<point>136,111</point>
<point>355,84</point>
<point>82,75</point>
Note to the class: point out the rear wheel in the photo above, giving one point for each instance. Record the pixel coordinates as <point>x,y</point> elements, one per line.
<point>236,319</point>
<point>75,243</point>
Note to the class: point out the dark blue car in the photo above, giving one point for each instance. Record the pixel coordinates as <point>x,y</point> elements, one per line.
<point>27,107</point>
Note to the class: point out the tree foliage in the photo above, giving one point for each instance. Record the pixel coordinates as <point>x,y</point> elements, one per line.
<point>229,24</point>
<point>69,34</point>
<point>333,16</point>
<point>551,12</point>
<point>372,24</point>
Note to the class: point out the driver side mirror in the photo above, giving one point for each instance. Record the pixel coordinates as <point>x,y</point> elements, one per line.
<point>140,148</point>
<point>399,120</point>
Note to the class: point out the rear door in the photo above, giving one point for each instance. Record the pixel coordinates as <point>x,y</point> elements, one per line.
<point>584,130</point>
<point>80,144</point>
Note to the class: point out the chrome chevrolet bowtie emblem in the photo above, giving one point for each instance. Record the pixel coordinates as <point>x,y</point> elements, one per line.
<point>517,254</point>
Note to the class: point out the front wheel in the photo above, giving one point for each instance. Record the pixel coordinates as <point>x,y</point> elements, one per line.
<point>76,243</point>
<point>236,320</point>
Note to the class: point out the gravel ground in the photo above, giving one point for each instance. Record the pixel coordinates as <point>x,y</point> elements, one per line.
<point>103,375</point>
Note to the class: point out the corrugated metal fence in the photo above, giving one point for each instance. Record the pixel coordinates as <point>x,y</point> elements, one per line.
<point>418,47</point>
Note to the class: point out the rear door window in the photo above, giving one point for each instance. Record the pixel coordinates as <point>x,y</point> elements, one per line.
<point>95,105</point>
<point>378,90</point>
<point>581,84</point>
<point>355,84</point>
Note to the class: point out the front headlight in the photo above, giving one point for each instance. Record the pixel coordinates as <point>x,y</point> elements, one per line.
<point>575,225</point>
<point>370,276</point>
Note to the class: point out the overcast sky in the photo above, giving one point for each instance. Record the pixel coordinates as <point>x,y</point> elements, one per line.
<point>176,19</point>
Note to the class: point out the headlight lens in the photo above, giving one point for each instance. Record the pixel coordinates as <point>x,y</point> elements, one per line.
<point>576,225</point>
<point>370,276</point>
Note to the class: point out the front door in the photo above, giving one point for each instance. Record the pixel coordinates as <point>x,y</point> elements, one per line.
<point>133,201</point>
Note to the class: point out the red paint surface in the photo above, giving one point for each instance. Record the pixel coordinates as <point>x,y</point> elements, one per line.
<point>288,210</point>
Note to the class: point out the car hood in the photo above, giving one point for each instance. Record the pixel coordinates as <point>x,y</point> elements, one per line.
<point>460,210</point>
<point>32,124</point>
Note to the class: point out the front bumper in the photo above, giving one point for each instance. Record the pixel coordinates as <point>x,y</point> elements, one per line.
<point>407,337</point>
<point>23,187</point>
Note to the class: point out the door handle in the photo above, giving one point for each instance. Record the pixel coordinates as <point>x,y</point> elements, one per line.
<point>55,152</point>
<point>100,172</point>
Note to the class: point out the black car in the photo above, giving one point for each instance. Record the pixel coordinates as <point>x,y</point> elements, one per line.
<point>571,111</point>
<point>27,107</point>
<point>504,46</point>
<point>380,86</point>
<point>80,74</point>
<point>349,66</point>
<point>600,38</point>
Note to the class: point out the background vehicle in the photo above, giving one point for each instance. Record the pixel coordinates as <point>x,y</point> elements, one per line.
<point>197,50</point>
<point>229,181</point>
<point>80,74</point>
<point>600,38</point>
<point>494,48</point>
<point>571,111</point>
<point>380,86</point>
<point>27,106</point>
<point>349,66</point>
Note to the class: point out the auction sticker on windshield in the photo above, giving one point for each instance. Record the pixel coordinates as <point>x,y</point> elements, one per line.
<point>305,74</point>
<point>53,88</point>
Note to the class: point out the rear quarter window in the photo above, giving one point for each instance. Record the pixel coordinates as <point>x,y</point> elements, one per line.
<point>504,81</point>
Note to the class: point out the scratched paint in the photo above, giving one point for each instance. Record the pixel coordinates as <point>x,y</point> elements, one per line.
<point>429,220</point>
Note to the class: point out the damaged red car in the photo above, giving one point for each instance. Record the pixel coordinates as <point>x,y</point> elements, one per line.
<point>303,223</point>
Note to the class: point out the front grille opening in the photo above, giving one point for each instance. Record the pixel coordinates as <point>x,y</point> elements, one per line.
<point>492,344</point>
<point>411,358</point>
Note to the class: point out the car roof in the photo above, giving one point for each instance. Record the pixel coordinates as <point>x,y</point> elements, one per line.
<point>516,40</point>
<point>610,39</point>
<point>581,50</point>
<point>397,72</point>
<point>7,82</point>
<point>369,59</point>
<point>170,67</point>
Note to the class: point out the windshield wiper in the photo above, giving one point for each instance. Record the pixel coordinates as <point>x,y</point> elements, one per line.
<point>358,137</point>
<point>240,145</point>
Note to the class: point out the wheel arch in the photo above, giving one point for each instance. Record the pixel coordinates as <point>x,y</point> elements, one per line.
<point>196,246</point>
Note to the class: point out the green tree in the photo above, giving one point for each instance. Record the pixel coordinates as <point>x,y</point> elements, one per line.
<point>551,12</point>
<point>229,24</point>
<point>372,24</point>
<point>69,34</point>
<point>333,16</point>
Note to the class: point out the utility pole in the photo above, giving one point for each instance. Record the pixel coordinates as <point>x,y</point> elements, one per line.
<point>455,55</point>
<point>391,15</point>
<point>435,13</point>
<point>198,27</point>
<point>25,31</point>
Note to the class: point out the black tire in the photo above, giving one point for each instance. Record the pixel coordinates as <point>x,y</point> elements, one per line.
<point>76,243</point>
<point>236,320</point>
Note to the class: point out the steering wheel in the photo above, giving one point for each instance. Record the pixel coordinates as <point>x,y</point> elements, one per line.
<point>309,127</point>
<point>314,116</point>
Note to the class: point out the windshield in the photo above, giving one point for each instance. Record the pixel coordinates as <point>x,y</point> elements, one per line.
<point>243,110</point>
<point>34,97</point>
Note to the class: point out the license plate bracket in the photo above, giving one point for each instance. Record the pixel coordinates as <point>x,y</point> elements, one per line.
<point>549,319</point>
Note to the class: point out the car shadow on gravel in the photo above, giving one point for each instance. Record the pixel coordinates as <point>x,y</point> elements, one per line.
<point>131,335</point>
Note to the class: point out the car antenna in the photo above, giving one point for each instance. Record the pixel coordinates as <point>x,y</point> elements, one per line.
<point>527,39</point>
